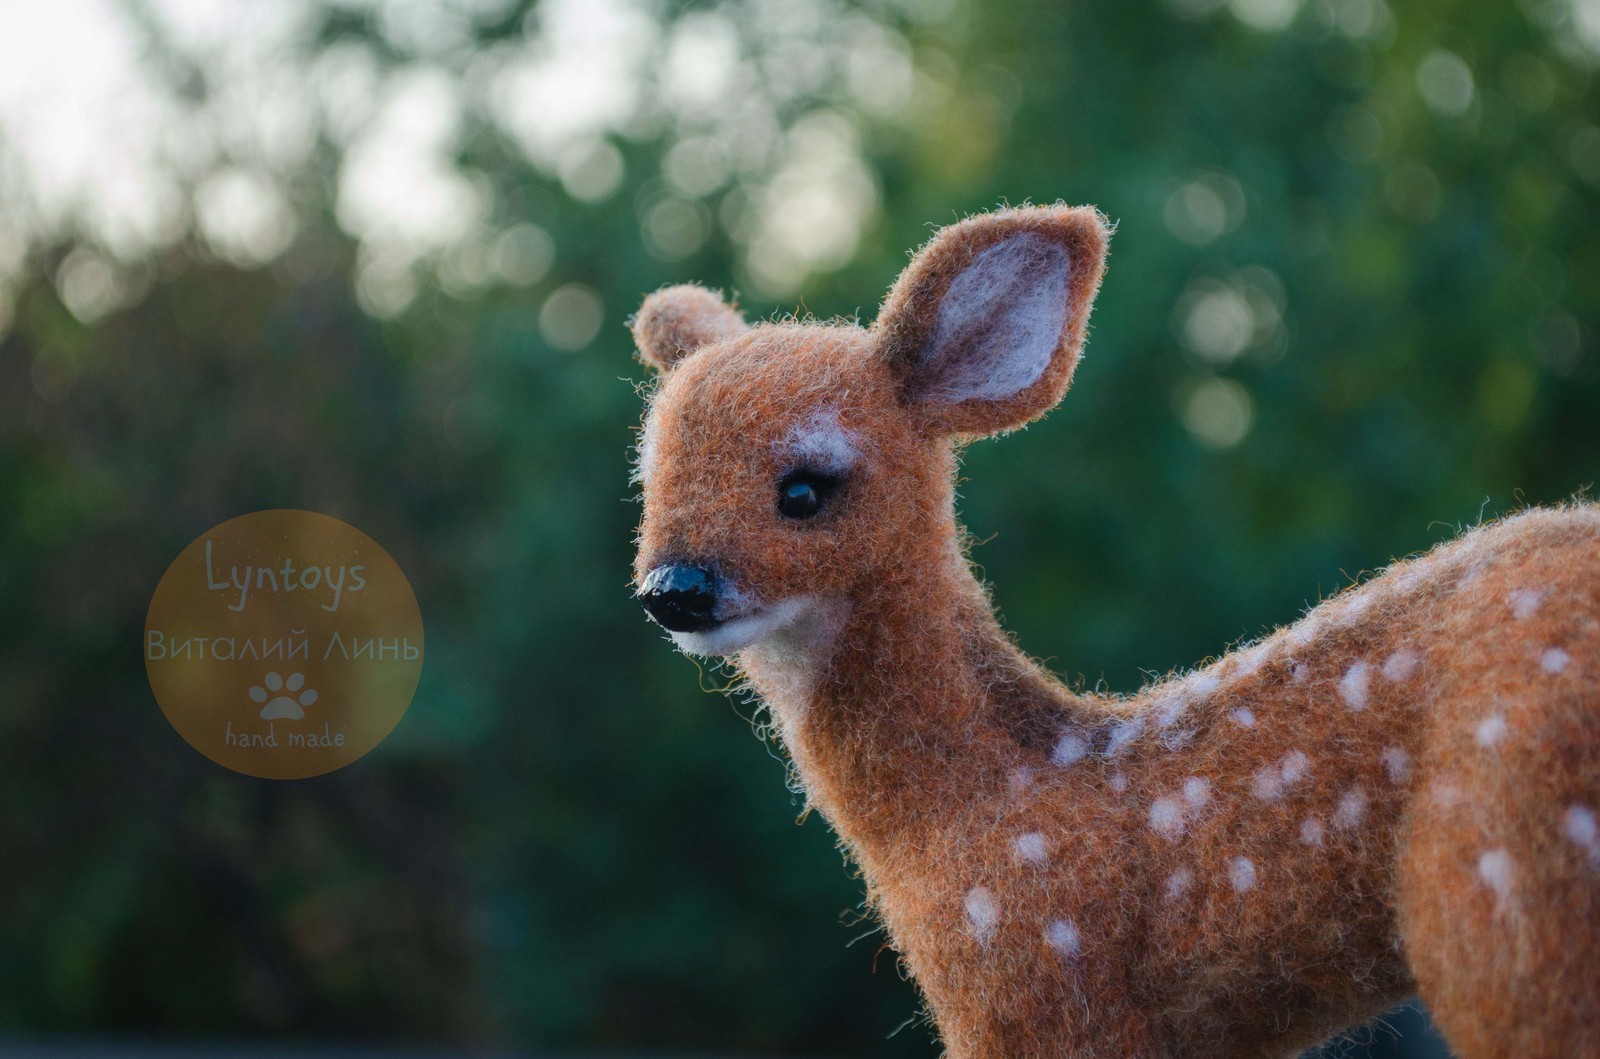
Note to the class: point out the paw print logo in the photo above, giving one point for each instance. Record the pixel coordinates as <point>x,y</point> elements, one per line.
<point>283,698</point>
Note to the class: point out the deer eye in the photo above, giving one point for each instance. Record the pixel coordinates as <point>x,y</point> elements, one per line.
<point>801,494</point>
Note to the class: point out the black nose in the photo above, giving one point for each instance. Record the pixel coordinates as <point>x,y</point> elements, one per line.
<point>680,597</point>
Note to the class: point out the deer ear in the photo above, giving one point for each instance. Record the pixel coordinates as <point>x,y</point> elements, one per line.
<point>985,325</point>
<point>675,321</point>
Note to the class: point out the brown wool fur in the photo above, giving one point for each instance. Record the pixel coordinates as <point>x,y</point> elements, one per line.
<point>1395,795</point>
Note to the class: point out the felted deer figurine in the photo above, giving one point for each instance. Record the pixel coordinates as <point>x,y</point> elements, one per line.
<point>1397,794</point>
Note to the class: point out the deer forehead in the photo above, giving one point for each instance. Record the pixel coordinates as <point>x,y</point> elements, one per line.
<point>815,439</point>
<point>801,395</point>
<point>820,441</point>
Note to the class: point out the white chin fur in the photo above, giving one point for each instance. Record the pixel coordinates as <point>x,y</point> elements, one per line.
<point>740,633</point>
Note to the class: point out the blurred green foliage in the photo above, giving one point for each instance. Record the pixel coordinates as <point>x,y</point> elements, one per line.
<point>1352,305</point>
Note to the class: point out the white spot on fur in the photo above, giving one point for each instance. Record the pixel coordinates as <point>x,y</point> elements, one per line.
<point>1352,808</point>
<point>982,913</point>
<point>1031,848</point>
<point>1581,827</point>
<point>1166,817</point>
<point>1473,570</point>
<point>820,442</point>
<point>999,323</point>
<point>1298,671</point>
<point>1070,749</point>
<point>1175,701</point>
<point>1171,707</point>
<point>1497,871</point>
<point>1272,782</point>
<point>1020,780</point>
<point>1311,831</point>
<point>1178,738</point>
<point>1354,685</point>
<point>1554,660</point>
<point>1169,815</point>
<point>1123,733</point>
<point>1250,660</point>
<point>1062,935</point>
<point>1358,604</point>
<point>1397,763</point>
<point>1447,795</point>
<point>1412,576</point>
<point>1243,716</point>
<point>1401,665</point>
<point>1491,730</point>
<point>1524,601</point>
<point>1306,630</point>
<point>1178,883</point>
<point>1118,782</point>
<point>1242,874</point>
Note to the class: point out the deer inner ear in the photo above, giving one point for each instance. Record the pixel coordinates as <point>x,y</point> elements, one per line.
<point>999,323</point>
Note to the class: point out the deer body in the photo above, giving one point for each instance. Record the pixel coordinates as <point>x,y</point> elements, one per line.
<point>1397,793</point>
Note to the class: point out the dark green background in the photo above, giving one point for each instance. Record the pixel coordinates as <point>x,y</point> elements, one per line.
<point>569,844</point>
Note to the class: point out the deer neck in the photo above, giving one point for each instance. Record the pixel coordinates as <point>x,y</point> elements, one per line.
<point>908,695</point>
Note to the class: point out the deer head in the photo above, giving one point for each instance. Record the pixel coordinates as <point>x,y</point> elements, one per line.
<point>787,466</point>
